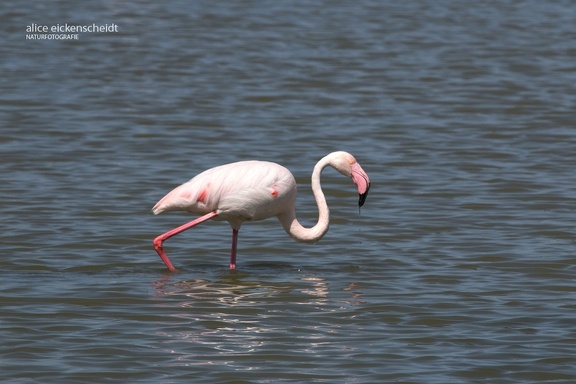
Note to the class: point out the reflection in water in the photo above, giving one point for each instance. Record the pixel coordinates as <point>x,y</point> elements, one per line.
<point>318,288</point>
<point>238,290</point>
<point>236,315</point>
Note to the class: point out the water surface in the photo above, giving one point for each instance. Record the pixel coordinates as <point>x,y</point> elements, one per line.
<point>459,268</point>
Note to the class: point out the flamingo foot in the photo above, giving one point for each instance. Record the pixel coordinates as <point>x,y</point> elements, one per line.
<point>160,250</point>
<point>158,241</point>
<point>233,250</point>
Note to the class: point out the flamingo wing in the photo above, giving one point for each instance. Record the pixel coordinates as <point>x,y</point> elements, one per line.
<point>245,190</point>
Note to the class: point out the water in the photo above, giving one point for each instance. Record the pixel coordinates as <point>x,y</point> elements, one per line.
<point>459,269</point>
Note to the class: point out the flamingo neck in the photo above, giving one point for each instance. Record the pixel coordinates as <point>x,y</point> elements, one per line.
<point>291,224</point>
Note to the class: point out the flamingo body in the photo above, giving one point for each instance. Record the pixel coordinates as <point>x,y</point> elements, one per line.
<point>254,190</point>
<point>237,192</point>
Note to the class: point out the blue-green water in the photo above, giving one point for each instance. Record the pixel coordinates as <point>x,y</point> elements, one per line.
<point>460,267</point>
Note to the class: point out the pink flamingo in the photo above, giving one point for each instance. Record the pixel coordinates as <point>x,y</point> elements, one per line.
<point>255,190</point>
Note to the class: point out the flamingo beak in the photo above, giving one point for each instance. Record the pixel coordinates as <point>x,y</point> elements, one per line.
<point>362,181</point>
<point>363,196</point>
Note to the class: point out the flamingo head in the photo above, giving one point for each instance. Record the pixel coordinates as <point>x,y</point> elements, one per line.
<point>347,165</point>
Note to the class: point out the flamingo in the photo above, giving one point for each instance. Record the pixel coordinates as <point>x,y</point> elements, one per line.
<point>254,190</point>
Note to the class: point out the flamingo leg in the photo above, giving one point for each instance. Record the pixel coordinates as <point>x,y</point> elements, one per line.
<point>158,241</point>
<point>233,251</point>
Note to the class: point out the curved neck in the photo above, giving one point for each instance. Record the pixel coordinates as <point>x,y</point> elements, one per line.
<point>291,224</point>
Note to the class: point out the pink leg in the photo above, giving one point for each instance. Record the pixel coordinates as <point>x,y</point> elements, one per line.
<point>158,241</point>
<point>233,252</point>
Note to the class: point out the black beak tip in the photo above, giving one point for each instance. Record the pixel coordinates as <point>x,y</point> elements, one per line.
<point>362,198</point>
